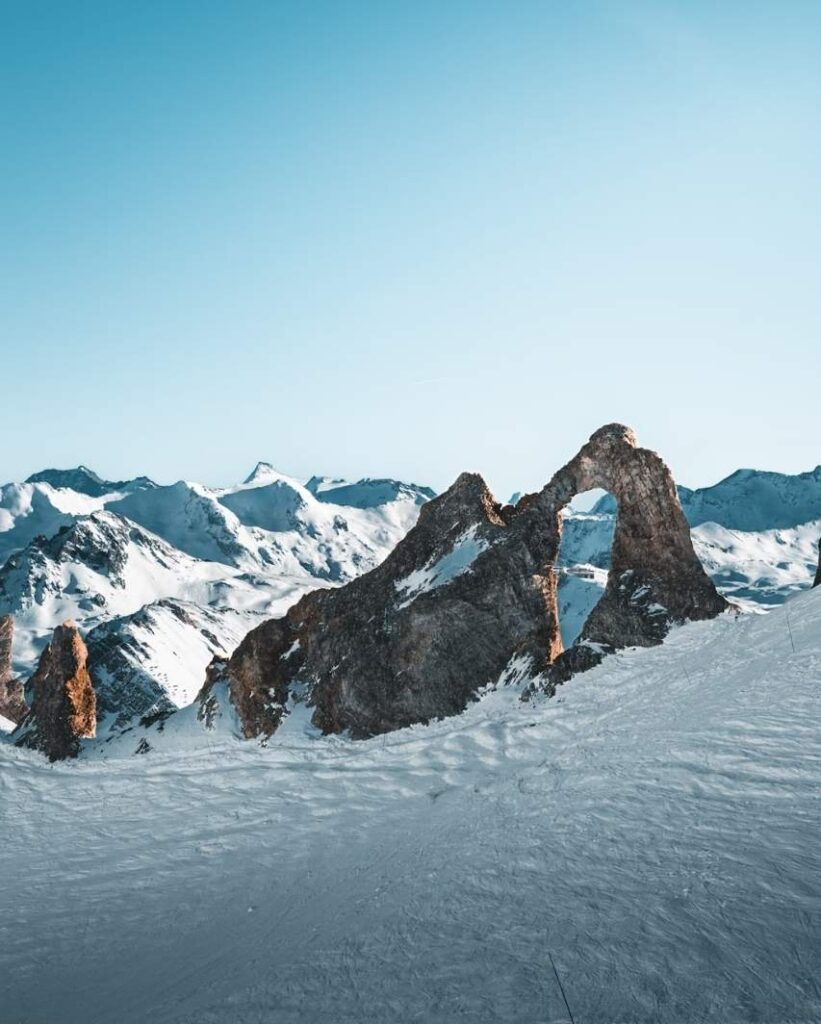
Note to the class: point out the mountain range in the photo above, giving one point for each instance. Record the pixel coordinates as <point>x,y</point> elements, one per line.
<point>160,578</point>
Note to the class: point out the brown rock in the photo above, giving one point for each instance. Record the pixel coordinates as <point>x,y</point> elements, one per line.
<point>12,697</point>
<point>471,588</point>
<point>64,704</point>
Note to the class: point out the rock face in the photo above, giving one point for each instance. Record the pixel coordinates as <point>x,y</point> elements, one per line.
<point>12,698</point>
<point>817,581</point>
<point>469,595</point>
<point>64,704</point>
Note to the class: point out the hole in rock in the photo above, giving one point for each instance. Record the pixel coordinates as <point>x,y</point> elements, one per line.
<point>588,523</point>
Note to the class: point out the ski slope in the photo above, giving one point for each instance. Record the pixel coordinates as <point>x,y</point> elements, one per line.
<point>656,827</point>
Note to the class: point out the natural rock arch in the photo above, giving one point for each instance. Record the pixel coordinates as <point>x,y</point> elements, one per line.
<point>469,595</point>
<point>655,576</point>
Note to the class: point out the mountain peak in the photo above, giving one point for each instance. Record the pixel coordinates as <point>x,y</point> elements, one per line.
<point>262,471</point>
<point>86,481</point>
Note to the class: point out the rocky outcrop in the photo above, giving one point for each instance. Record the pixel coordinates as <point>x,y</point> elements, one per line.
<point>63,709</point>
<point>655,578</point>
<point>470,592</point>
<point>12,696</point>
<point>817,581</point>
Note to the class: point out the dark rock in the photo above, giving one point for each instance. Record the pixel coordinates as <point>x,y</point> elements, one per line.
<point>655,577</point>
<point>12,696</point>
<point>817,580</point>
<point>470,591</point>
<point>63,709</point>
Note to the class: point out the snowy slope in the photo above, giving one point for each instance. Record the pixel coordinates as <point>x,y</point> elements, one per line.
<point>367,493</point>
<point>95,568</point>
<point>27,510</point>
<point>85,481</point>
<point>155,658</point>
<point>655,828</point>
<point>752,500</point>
<point>272,523</point>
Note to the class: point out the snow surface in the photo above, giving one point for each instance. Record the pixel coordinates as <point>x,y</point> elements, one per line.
<point>655,827</point>
<point>466,549</point>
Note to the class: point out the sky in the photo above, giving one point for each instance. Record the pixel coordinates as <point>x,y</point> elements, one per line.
<point>406,240</point>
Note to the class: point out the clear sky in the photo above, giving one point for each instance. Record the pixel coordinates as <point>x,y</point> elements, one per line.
<point>408,239</point>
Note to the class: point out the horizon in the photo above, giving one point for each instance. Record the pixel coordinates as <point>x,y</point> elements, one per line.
<point>375,241</point>
<point>245,477</point>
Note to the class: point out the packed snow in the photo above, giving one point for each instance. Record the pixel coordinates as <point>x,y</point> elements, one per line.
<point>456,562</point>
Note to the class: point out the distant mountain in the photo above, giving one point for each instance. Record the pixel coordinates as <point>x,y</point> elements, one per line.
<point>154,659</point>
<point>749,499</point>
<point>85,481</point>
<point>30,509</point>
<point>160,578</point>
<point>367,493</point>
<point>272,523</point>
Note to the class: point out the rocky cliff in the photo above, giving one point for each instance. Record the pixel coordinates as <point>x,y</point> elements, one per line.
<point>471,592</point>
<point>12,698</point>
<point>63,709</point>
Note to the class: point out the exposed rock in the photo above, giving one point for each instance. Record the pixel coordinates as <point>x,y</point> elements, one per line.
<point>12,696</point>
<point>63,709</point>
<point>817,581</point>
<point>655,577</point>
<point>470,591</point>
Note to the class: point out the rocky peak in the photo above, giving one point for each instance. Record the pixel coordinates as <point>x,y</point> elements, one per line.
<point>63,709</point>
<point>12,698</point>
<point>471,589</point>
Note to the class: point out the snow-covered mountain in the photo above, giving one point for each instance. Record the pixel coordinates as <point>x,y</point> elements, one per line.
<point>32,509</point>
<point>367,493</point>
<point>85,481</point>
<point>154,660</point>
<point>748,500</point>
<point>180,572</point>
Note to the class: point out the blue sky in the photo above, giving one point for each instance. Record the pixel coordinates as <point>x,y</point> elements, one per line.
<point>408,239</point>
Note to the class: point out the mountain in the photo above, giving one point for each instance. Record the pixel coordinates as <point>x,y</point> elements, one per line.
<point>654,828</point>
<point>273,523</point>
<point>748,500</point>
<point>85,481</point>
<point>32,509</point>
<point>121,563</point>
<point>367,493</point>
<point>99,564</point>
<point>154,660</point>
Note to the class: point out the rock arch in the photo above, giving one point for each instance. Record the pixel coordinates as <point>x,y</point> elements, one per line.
<point>655,576</point>
<point>470,595</point>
